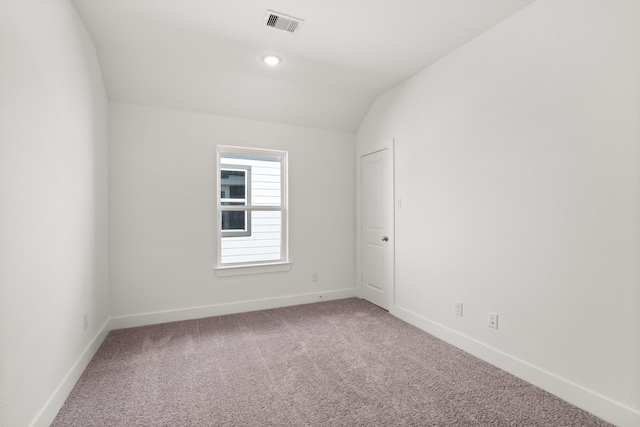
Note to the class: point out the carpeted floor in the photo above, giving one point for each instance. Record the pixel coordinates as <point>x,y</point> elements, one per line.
<point>337,363</point>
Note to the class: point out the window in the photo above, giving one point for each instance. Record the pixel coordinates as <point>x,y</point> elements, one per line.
<point>235,190</point>
<point>251,209</point>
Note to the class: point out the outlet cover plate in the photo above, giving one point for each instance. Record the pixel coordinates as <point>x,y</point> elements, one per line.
<point>458,308</point>
<point>493,320</point>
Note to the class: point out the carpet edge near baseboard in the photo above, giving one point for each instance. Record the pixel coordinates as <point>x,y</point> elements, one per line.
<point>594,403</point>
<point>152,318</point>
<point>52,406</point>
<point>50,409</point>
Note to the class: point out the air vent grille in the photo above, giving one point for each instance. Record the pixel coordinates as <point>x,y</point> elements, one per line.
<point>282,22</point>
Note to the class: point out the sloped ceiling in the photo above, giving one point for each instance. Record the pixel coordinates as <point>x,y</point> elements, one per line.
<point>205,55</point>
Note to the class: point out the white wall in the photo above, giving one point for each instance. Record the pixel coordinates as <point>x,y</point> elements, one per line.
<point>518,165</point>
<point>53,224</point>
<point>162,215</point>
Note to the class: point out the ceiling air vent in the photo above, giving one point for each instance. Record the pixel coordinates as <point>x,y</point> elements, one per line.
<point>282,22</point>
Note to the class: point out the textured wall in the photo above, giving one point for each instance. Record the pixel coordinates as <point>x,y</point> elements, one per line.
<point>53,243</point>
<point>162,210</point>
<point>518,165</point>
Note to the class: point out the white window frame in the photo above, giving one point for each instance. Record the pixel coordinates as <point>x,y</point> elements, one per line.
<point>283,264</point>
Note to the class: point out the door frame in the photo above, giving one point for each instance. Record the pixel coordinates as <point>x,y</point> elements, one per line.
<point>371,149</point>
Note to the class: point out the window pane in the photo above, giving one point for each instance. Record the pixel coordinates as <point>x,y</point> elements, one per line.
<point>265,183</point>
<point>264,243</point>
<point>233,184</point>
<point>234,220</point>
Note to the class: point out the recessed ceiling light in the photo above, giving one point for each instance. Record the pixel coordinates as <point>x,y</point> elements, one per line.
<point>271,59</point>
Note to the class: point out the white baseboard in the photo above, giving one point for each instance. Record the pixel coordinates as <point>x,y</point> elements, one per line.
<point>47,414</point>
<point>144,319</point>
<point>600,406</point>
<point>51,408</point>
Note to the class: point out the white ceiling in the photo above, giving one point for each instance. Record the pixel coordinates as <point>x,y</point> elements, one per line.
<point>205,55</point>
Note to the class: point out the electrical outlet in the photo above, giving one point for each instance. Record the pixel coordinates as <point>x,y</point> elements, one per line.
<point>493,320</point>
<point>86,321</point>
<point>314,276</point>
<point>458,308</point>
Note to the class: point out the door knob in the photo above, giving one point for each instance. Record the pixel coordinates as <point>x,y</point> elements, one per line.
<point>385,238</point>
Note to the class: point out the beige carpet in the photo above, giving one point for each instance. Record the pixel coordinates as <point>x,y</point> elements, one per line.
<point>336,363</point>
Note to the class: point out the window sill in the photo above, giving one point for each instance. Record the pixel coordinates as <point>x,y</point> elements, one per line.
<point>240,270</point>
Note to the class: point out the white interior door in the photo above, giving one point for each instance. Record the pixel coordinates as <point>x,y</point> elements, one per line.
<point>377,226</point>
